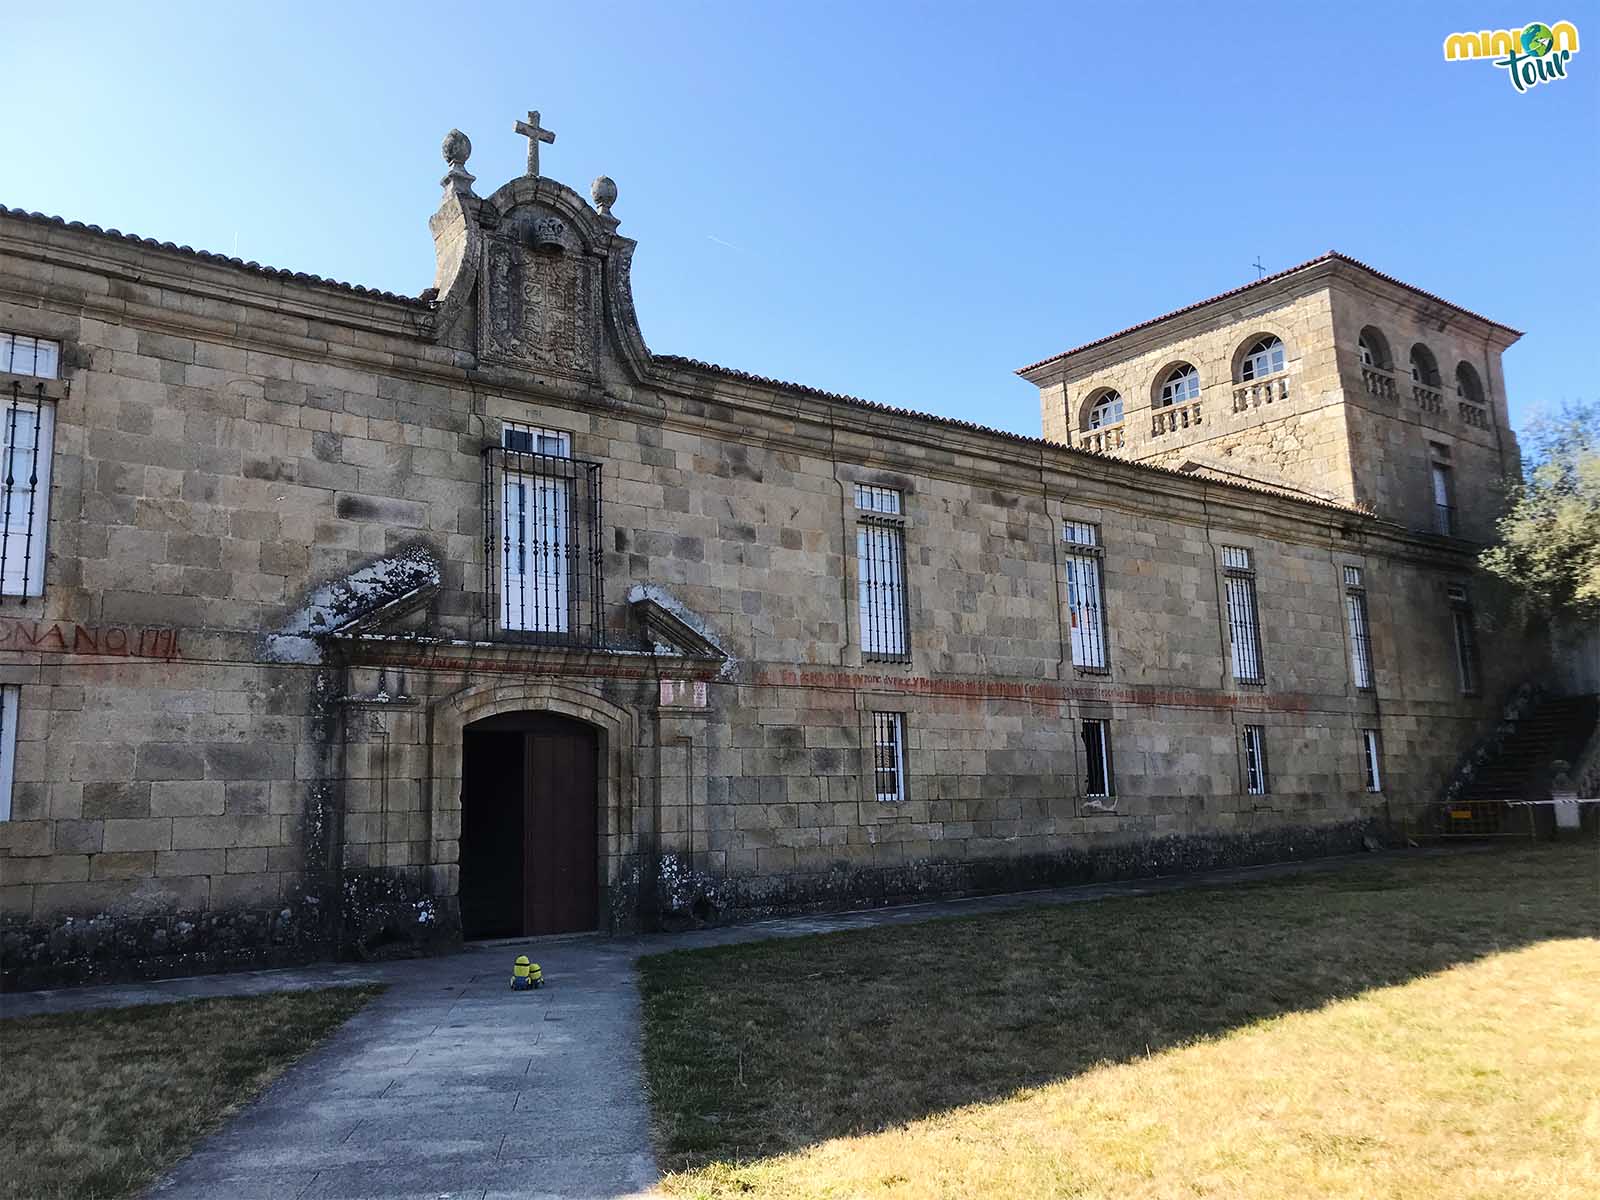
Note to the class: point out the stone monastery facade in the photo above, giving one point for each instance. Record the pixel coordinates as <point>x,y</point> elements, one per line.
<point>345,622</point>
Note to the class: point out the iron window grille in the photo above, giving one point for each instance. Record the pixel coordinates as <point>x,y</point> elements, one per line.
<point>1098,779</point>
<point>1244,626</point>
<point>881,567</point>
<point>1355,606</point>
<point>1255,761</point>
<point>542,549</point>
<point>27,433</point>
<point>9,696</point>
<point>1466,639</point>
<point>889,756</point>
<point>1371,759</point>
<point>1085,595</point>
<point>23,355</point>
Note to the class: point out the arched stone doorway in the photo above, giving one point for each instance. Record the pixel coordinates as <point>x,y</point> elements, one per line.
<point>530,836</point>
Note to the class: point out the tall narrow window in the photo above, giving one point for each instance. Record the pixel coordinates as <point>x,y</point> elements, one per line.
<point>537,536</point>
<point>880,565</point>
<point>1355,607</point>
<point>1244,629</point>
<point>1085,605</point>
<point>8,745</point>
<point>1371,759</point>
<point>889,756</point>
<point>1097,758</point>
<point>27,433</point>
<point>1444,498</point>
<point>1466,639</point>
<point>1255,761</point>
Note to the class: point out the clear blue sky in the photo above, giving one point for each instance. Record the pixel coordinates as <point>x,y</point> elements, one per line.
<point>900,201</point>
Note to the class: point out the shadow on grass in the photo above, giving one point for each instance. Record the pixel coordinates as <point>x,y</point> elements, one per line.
<point>765,1048</point>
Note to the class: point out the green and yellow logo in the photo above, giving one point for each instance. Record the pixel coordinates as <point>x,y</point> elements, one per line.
<point>1535,54</point>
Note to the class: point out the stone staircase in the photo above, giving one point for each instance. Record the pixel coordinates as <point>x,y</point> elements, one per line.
<point>1555,728</point>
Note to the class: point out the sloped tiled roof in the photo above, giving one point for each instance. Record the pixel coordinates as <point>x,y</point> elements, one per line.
<point>695,364</point>
<point>253,268</point>
<point>1264,281</point>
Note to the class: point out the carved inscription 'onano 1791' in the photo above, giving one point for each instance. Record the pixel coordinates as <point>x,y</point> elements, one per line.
<point>68,637</point>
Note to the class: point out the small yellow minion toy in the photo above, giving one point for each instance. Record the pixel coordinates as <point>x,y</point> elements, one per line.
<point>525,975</point>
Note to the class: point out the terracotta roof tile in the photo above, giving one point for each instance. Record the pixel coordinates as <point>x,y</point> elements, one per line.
<point>1330,256</point>
<point>253,268</point>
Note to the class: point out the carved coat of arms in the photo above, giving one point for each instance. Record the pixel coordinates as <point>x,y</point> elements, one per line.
<point>540,310</point>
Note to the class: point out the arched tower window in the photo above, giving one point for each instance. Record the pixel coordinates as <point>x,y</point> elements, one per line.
<point>1424,367</point>
<point>1181,385</point>
<point>1263,358</point>
<point>1374,349</point>
<point>1106,410</point>
<point>1468,386</point>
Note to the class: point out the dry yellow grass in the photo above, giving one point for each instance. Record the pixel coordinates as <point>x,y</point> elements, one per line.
<point>1474,1074</point>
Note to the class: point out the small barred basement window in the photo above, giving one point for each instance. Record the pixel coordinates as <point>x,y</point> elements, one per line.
<point>881,573</point>
<point>889,756</point>
<point>1255,760</point>
<point>1097,780</point>
<point>1371,756</point>
<point>9,696</point>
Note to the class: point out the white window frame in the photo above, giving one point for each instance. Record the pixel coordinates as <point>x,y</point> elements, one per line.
<point>1181,385</point>
<point>1442,478</point>
<point>881,593</point>
<point>1369,357</point>
<point>1359,624</point>
<point>1464,636</point>
<point>10,707</point>
<point>1265,357</point>
<point>1100,416</point>
<point>1244,616</point>
<point>552,589</point>
<point>1089,630</point>
<point>20,355</point>
<point>1102,728</point>
<point>1372,759</point>
<point>1256,780</point>
<point>25,510</point>
<point>889,756</point>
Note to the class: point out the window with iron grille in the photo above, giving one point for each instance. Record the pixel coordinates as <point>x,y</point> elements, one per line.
<point>9,696</point>
<point>889,756</point>
<point>1444,499</point>
<point>542,538</point>
<point>1244,628</point>
<point>1466,639</point>
<point>1371,758</point>
<point>1085,596</point>
<point>881,572</point>
<point>1355,607</point>
<point>27,435</point>
<point>1098,779</point>
<point>1255,761</point>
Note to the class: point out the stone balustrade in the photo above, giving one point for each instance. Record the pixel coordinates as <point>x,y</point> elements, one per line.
<point>1174,417</point>
<point>1380,383</point>
<point>1103,440</point>
<point>1473,414</point>
<point>1429,399</point>
<point>1260,391</point>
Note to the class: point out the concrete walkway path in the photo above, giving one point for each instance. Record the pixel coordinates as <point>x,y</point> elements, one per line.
<point>451,1085</point>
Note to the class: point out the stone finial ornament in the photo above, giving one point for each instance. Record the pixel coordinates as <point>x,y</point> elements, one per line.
<point>457,148</point>
<point>604,191</point>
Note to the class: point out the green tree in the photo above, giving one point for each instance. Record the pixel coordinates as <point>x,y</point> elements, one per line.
<point>1549,538</point>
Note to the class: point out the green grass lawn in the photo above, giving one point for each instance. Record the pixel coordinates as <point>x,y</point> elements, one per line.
<point>1427,1027</point>
<point>96,1104</point>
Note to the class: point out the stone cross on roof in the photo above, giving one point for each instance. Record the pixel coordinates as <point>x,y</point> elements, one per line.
<point>531,130</point>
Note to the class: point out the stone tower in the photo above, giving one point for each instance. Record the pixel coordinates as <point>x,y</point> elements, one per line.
<point>1329,379</point>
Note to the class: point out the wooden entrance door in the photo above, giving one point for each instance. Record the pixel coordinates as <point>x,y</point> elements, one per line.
<point>530,830</point>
